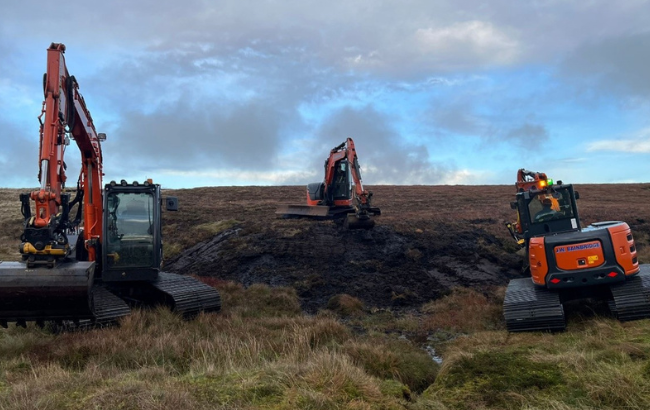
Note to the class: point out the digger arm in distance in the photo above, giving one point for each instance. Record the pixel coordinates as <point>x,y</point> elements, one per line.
<point>526,180</point>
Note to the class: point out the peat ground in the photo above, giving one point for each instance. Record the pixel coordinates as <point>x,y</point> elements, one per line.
<point>428,240</point>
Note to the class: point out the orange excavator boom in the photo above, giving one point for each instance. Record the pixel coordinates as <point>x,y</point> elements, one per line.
<point>63,113</point>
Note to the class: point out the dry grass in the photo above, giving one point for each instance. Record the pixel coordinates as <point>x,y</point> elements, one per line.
<point>271,360</point>
<point>345,305</point>
<point>464,311</point>
<point>11,223</point>
<point>262,353</point>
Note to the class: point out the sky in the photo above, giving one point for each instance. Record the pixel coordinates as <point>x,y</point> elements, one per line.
<point>236,92</point>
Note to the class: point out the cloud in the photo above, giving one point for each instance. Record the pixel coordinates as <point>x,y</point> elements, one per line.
<point>384,156</point>
<point>401,38</point>
<point>616,65</point>
<point>247,137</point>
<point>242,177</point>
<point>426,88</point>
<point>469,43</point>
<point>577,160</point>
<point>464,119</point>
<point>527,135</point>
<point>458,118</point>
<point>18,158</point>
<point>639,143</point>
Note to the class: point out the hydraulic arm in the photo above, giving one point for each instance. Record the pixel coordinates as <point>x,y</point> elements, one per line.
<point>64,115</point>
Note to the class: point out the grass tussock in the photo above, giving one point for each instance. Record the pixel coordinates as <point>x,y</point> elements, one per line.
<point>495,379</point>
<point>600,364</point>
<point>464,311</point>
<point>395,359</point>
<point>257,300</point>
<point>345,305</point>
<point>210,229</point>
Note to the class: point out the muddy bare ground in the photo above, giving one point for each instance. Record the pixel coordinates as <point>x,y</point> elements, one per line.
<point>381,267</point>
<point>427,241</point>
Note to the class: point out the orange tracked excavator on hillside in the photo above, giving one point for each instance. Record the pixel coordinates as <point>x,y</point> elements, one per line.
<point>114,260</point>
<point>568,262</point>
<point>341,196</point>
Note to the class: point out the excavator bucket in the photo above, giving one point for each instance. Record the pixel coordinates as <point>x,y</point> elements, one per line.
<point>289,210</point>
<point>353,221</point>
<point>42,294</point>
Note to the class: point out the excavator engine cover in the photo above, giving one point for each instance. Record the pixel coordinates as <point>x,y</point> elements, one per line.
<point>59,293</point>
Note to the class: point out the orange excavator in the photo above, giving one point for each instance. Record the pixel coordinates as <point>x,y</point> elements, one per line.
<point>91,272</point>
<point>341,196</point>
<point>568,262</point>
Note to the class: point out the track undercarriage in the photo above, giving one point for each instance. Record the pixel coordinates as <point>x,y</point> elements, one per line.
<point>531,308</point>
<point>67,295</point>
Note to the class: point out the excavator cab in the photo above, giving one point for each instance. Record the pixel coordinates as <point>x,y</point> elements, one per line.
<point>551,210</point>
<point>338,193</point>
<point>341,187</point>
<point>132,249</point>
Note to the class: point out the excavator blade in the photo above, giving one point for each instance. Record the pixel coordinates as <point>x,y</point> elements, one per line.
<point>289,210</point>
<point>45,294</point>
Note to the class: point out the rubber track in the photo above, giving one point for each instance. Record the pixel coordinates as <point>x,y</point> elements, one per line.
<point>531,308</point>
<point>189,296</point>
<point>108,309</point>
<point>632,298</point>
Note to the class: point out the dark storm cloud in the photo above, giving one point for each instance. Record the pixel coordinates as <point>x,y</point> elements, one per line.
<point>247,137</point>
<point>457,119</point>
<point>383,154</point>
<point>614,65</point>
<point>18,158</point>
<point>527,135</point>
<point>196,109</point>
<point>463,119</point>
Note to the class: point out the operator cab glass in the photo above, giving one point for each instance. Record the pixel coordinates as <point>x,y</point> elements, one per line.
<point>553,206</point>
<point>547,211</point>
<point>130,228</point>
<point>342,181</point>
